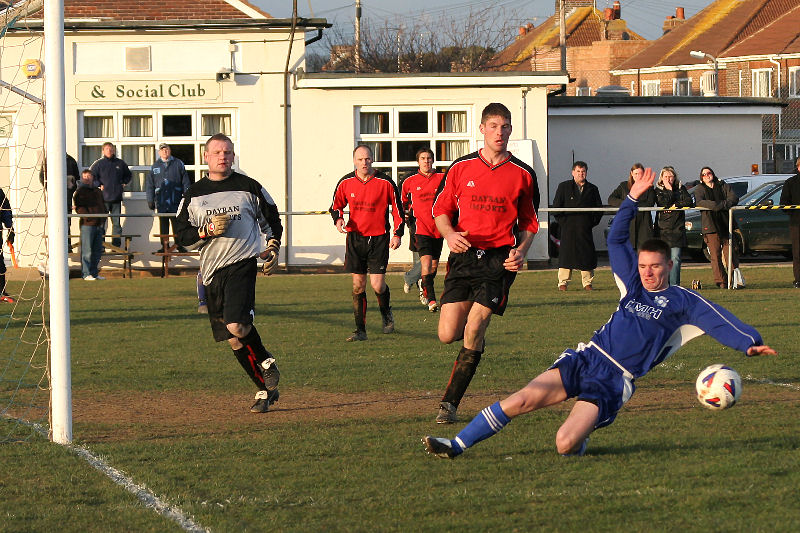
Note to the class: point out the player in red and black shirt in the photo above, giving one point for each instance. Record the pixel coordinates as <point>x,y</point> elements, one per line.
<point>486,211</point>
<point>417,193</point>
<point>370,196</point>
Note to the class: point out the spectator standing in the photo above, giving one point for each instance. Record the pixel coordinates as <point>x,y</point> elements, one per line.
<point>112,174</point>
<point>486,211</point>
<point>371,196</point>
<point>88,200</point>
<point>7,220</point>
<point>717,196</point>
<point>642,225</point>
<point>791,196</point>
<point>577,249</point>
<point>417,193</point>
<point>670,228</point>
<point>164,187</point>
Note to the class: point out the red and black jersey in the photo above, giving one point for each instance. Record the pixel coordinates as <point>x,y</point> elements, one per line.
<point>369,204</point>
<point>418,192</point>
<point>490,202</point>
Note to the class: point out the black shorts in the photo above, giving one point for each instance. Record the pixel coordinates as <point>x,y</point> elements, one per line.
<point>478,276</point>
<point>366,254</point>
<point>231,297</point>
<point>429,246</point>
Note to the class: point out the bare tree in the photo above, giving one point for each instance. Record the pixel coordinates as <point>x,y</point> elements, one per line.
<point>424,43</point>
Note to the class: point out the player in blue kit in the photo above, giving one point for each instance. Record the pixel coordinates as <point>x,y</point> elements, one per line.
<point>653,320</point>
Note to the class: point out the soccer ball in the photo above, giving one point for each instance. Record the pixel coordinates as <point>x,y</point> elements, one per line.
<point>718,387</point>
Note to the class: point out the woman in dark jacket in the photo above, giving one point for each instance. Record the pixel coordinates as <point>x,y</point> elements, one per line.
<point>670,227</point>
<point>642,225</point>
<point>717,196</point>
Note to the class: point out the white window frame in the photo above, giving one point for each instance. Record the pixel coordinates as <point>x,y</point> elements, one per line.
<point>794,82</point>
<point>757,81</point>
<point>679,83</point>
<point>197,139</point>
<point>583,91</point>
<point>649,85</point>
<point>393,135</point>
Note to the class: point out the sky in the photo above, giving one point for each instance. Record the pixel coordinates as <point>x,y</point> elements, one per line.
<point>645,17</point>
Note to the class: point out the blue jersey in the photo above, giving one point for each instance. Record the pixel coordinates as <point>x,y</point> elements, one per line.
<point>647,327</point>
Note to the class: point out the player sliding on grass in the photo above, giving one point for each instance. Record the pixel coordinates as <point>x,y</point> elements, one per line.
<point>226,216</point>
<point>652,321</point>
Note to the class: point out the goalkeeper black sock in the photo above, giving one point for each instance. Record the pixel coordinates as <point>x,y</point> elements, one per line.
<point>2,284</point>
<point>427,287</point>
<point>463,369</point>
<point>251,355</point>
<point>360,310</point>
<point>383,301</point>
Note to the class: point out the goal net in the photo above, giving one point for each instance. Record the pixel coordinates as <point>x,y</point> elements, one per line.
<point>24,336</point>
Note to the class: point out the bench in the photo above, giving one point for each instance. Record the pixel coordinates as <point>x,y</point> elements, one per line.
<point>109,250</point>
<point>168,251</point>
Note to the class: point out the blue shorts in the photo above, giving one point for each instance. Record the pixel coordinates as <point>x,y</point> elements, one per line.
<point>588,375</point>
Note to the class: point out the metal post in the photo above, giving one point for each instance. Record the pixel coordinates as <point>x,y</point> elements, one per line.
<point>357,50</point>
<point>55,126</point>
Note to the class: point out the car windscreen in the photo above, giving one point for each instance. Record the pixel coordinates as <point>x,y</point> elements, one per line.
<point>756,194</point>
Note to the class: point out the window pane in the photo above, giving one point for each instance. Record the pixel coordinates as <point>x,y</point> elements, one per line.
<point>213,124</point>
<point>177,125</point>
<point>137,126</point>
<point>407,150</point>
<point>386,170</point>
<point>90,154</point>
<point>381,150</point>
<point>184,152</point>
<point>413,122</point>
<point>98,127</point>
<point>191,175</point>
<point>452,121</point>
<point>137,181</point>
<point>374,122</point>
<point>136,155</point>
<point>404,172</point>
<point>451,150</point>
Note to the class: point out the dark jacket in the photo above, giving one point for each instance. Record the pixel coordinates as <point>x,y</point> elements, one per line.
<point>88,200</point>
<point>670,224</point>
<point>165,184</point>
<point>73,177</point>
<point>6,219</point>
<point>112,173</point>
<point>719,199</point>
<point>642,224</point>
<point>577,244</point>
<point>791,196</point>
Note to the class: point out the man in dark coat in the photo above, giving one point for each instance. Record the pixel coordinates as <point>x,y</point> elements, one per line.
<point>577,244</point>
<point>791,196</point>
<point>641,226</point>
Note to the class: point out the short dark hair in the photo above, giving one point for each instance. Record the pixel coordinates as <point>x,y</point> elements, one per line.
<point>495,109</point>
<point>425,150</point>
<point>86,171</point>
<point>581,164</point>
<point>219,137</point>
<point>371,155</point>
<point>108,143</point>
<point>656,245</point>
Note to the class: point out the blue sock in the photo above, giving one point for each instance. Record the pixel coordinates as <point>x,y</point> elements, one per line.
<point>488,422</point>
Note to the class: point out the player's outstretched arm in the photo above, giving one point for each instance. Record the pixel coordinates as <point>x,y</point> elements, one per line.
<point>760,350</point>
<point>644,183</point>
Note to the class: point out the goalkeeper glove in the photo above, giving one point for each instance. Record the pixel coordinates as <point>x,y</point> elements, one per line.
<point>214,227</point>
<point>271,260</point>
<point>10,236</point>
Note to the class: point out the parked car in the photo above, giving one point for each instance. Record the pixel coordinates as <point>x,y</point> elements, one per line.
<point>756,231</point>
<point>742,185</point>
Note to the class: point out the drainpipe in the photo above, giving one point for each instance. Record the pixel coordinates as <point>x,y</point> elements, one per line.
<point>287,140</point>
<point>778,68</point>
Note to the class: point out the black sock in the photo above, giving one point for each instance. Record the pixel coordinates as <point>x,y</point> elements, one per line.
<point>427,286</point>
<point>383,301</point>
<point>251,355</point>
<point>463,369</point>
<point>2,283</point>
<point>360,310</point>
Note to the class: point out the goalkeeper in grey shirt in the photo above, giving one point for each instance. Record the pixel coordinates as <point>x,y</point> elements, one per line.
<point>226,216</point>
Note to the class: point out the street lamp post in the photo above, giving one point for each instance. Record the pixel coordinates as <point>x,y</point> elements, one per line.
<point>699,54</point>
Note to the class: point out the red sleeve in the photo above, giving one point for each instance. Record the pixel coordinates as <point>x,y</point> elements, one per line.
<point>445,201</point>
<point>397,210</point>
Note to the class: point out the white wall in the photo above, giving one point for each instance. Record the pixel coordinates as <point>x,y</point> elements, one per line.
<point>726,138</point>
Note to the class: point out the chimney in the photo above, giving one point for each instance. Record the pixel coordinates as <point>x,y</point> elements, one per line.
<point>617,10</point>
<point>569,5</point>
<point>673,22</point>
<point>522,30</point>
<point>608,14</point>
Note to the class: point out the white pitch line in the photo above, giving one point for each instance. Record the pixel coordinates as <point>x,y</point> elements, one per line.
<point>144,494</point>
<point>770,382</point>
